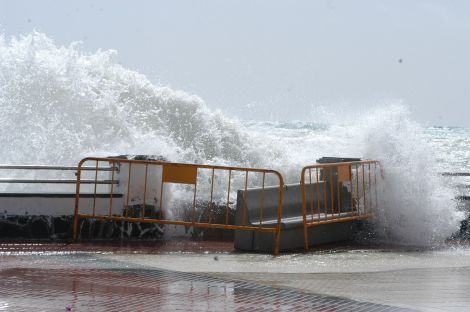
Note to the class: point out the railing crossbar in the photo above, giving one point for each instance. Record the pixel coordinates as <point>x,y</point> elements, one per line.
<point>456,174</point>
<point>58,181</point>
<point>63,168</point>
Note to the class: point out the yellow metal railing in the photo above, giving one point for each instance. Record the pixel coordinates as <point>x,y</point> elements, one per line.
<point>338,192</point>
<point>198,196</point>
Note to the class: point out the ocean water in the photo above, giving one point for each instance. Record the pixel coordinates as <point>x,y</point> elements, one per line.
<point>59,104</point>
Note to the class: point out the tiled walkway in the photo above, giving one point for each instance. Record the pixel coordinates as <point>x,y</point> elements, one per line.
<point>137,289</point>
<point>44,280</point>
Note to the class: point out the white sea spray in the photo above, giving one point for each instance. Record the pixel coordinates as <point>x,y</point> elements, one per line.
<point>59,104</point>
<point>416,206</point>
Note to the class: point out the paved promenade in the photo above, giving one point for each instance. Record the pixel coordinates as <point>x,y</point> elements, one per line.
<point>189,276</point>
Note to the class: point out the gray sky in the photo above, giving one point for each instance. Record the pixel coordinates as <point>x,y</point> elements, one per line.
<point>278,60</point>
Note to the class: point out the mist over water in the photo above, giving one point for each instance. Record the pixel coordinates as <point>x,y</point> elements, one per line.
<point>60,104</point>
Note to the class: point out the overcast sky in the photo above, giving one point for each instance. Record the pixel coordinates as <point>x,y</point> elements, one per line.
<point>278,60</point>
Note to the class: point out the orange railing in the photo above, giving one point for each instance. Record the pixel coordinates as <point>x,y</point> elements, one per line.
<point>198,196</point>
<point>338,192</point>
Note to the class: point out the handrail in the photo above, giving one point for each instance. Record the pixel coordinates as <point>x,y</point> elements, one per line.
<point>45,167</point>
<point>59,181</point>
<point>459,186</point>
<point>456,174</point>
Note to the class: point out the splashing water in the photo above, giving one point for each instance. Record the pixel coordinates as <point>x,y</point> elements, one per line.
<point>59,104</point>
<point>417,208</point>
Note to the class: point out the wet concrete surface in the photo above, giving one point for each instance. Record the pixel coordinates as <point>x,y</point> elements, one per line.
<point>445,289</point>
<point>147,277</point>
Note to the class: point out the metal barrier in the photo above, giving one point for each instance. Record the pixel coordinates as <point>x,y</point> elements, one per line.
<point>198,196</point>
<point>338,192</point>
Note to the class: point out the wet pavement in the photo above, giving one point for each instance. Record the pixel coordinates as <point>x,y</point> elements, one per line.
<point>107,277</point>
